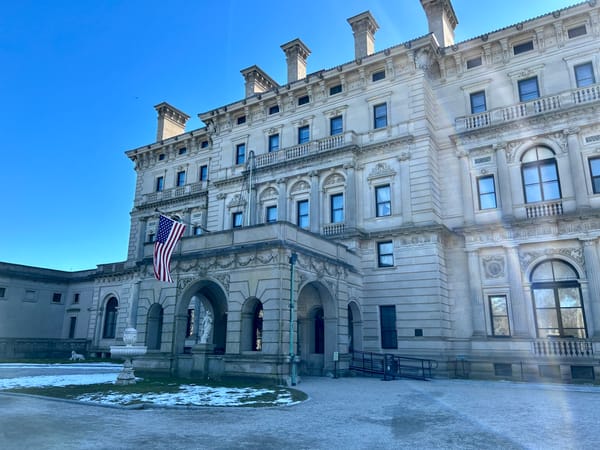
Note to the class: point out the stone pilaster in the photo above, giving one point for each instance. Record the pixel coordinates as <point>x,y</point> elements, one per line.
<point>517,299</point>
<point>474,308</point>
<point>503,182</point>
<point>577,175</point>
<point>467,192</point>
<point>281,200</point>
<point>592,265</point>
<point>350,213</point>
<point>315,217</point>
<point>406,205</point>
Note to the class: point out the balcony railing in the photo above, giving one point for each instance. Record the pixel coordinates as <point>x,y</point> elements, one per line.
<point>544,209</point>
<point>176,192</point>
<point>309,148</point>
<point>532,108</point>
<point>333,229</point>
<point>565,348</point>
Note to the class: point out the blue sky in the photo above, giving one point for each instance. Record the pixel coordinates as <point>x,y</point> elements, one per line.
<point>80,78</point>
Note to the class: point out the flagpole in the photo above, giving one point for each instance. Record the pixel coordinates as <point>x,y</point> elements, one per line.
<point>162,213</point>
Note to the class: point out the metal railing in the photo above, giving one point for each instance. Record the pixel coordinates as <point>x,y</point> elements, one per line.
<point>392,366</point>
<point>542,105</point>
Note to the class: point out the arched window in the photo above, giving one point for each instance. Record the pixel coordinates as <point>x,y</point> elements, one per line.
<point>154,329</point>
<point>540,175</point>
<point>319,324</point>
<point>557,300</point>
<point>257,327</point>
<point>110,319</point>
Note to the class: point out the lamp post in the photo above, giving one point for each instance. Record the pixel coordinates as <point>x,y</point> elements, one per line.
<point>293,259</point>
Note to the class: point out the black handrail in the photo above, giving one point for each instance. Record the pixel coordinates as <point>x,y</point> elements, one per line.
<point>392,366</point>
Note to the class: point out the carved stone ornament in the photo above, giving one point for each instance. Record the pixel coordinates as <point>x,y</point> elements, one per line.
<point>381,170</point>
<point>334,179</point>
<point>268,193</point>
<point>300,186</point>
<point>574,254</point>
<point>494,266</point>
<point>236,201</point>
<point>224,280</point>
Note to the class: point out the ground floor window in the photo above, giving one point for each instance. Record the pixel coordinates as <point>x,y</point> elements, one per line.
<point>499,315</point>
<point>389,336</point>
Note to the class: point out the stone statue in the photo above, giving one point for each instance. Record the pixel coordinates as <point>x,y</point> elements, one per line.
<point>206,327</point>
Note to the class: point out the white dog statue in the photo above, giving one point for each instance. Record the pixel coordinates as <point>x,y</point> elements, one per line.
<point>76,356</point>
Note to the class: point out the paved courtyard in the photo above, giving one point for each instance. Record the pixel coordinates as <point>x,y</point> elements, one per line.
<point>344,413</point>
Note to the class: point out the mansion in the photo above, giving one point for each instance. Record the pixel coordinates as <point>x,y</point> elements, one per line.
<point>436,199</point>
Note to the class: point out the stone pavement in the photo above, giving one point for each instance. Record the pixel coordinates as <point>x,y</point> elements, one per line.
<point>349,413</point>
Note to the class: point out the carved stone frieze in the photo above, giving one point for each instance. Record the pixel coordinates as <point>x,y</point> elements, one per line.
<point>494,266</point>
<point>223,278</point>
<point>382,170</point>
<point>236,201</point>
<point>300,186</point>
<point>573,253</point>
<point>334,179</point>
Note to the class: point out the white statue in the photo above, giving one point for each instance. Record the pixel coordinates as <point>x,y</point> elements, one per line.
<point>206,327</point>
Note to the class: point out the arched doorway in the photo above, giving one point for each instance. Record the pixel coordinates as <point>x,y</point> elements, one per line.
<point>557,301</point>
<point>154,327</point>
<point>252,325</point>
<point>317,329</point>
<point>354,328</point>
<point>201,318</point>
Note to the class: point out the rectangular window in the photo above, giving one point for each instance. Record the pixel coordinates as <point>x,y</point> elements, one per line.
<point>237,219</point>
<point>474,62</point>
<point>477,102</point>
<point>273,143</point>
<point>584,74</point>
<point>303,100</point>
<point>337,208</point>
<point>203,173</point>
<point>182,151</point>
<point>528,89</point>
<point>271,214</point>
<point>380,115</point>
<point>240,153</point>
<point>76,298</point>
<point>379,75</point>
<point>151,237</point>
<point>302,214</point>
<point>499,315</point>
<point>241,120</point>
<point>2,292</point>
<point>160,184</point>
<point>486,189</point>
<point>385,254</point>
<point>303,134</point>
<point>273,109</point>
<point>181,178</point>
<point>30,296</point>
<point>383,200</point>
<point>197,230</point>
<point>204,144</point>
<point>595,174</point>
<point>576,31</point>
<point>389,337</point>
<point>522,48</point>
<point>72,324</point>
<point>335,89</point>
<point>161,157</point>
<point>336,125</point>
<point>56,297</point>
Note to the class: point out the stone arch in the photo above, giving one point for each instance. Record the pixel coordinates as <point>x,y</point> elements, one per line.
<point>317,329</point>
<point>110,312</point>
<point>252,325</point>
<point>355,333</point>
<point>202,297</point>
<point>154,326</point>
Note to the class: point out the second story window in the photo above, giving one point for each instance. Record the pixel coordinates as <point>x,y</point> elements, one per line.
<point>203,173</point>
<point>336,125</point>
<point>181,178</point>
<point>302,214</point>
<point>528,89</point>
<point>303,100</point>
<point>237,219</point>
<point>182,151</point>
<point>584,74</point>
<point>273,143</point>
<point>487,192</point>
<point>477,102</point>
<point>273,109</point>
<point>160,184</point>
<point>523,47</point>
<point>76,298</point>
<point>240,153</point>
<point>337,208</point>
<point>385,254</point>
<point>335,89</point>
<point>271,214</point>
<point>595,174</point>
<point>383,200</point>
<point>241,120</point>
<point>379,75</point>
<point>380,115</point>
<point>303,134</point>
<point>540,175</point>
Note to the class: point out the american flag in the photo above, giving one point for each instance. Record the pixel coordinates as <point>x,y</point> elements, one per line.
<point>169,232</point>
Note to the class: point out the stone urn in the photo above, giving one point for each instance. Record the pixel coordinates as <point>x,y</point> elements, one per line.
<point>127,352</point>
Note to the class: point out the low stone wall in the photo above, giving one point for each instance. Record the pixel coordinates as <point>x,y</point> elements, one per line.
<point>23,348</point>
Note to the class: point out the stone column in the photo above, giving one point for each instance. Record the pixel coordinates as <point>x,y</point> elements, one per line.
<point>577,174</point>
<point>474,307</point>
<point>467,192</point>
<point>187,219</point>
<point>592,268</point>
<point>135,297</point>
<point>350,212</point>
<point>141,238</point>
<point>517,299</point>
<point>282,213</point>
<point>405,202</point>
<point>503,182</point>
<point>315,217</point>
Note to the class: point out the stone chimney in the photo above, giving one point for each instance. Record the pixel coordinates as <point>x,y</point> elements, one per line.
<point>257,81</point>
<point>364,28</point>
<point>171,121</point>
<point>442,20</point>
<point>296,53</point>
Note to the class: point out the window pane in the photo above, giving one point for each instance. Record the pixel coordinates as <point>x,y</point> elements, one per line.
<point>487,201</point>
<point>533,193</point>
<point>272,214</point>
<point>569,297</point>
<point>544,298</point>
<point>531,174</point>
<point>273,142</point>
<point>336,125</point>
<point>383,200</point>
<point>501,327</point>
<point>584,74</point>
<point>548,171</point>
<point>337,208</point>
<point>528,89</point>
<point>543,333</point>
<point>572,318</point>
<point>498,305</point>
<point>303,134</point>
<point>477,102</point>
<point>563,271</point>
<point>576,333</point>
<point>380,115</point>
<point>547,318</point>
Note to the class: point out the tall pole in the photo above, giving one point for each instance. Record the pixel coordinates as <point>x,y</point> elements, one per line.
<point>293,259</point>
<point>250,164</point>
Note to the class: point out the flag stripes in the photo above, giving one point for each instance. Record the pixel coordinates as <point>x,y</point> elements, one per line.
<point>169,233</point>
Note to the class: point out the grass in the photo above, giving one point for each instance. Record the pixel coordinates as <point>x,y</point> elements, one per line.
<point>154,385</point>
